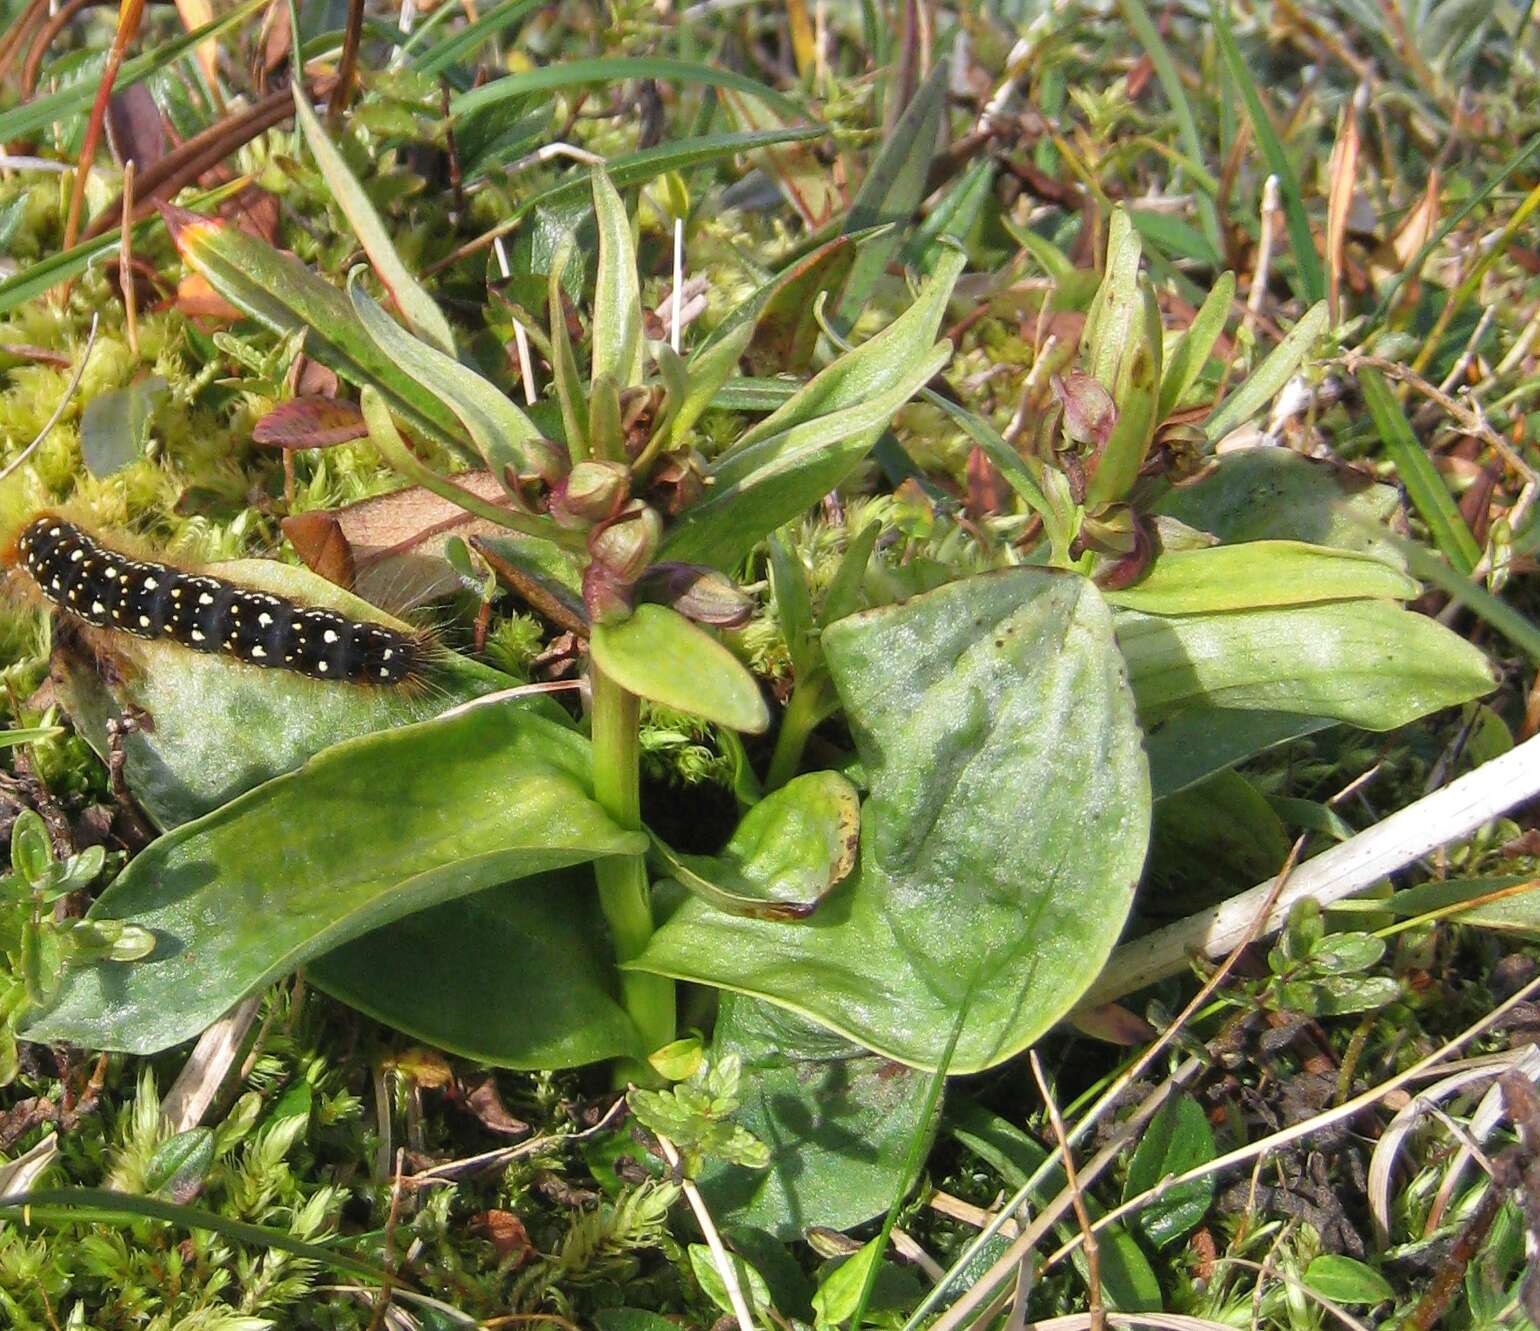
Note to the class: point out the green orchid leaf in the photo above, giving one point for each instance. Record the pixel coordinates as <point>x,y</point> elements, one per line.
<point>891,193</point>
<point>810,444</point>
<point>212,727</point>
<point>280,292</point>
<point>1273,494</point>
<point>786,855</point>
<point>478,976</point>
<point>1370,663</point>
<point>1191,352</point>
<point>838,1120</point>
<point>1199,741</point>
<point>617,326</point>
<point>416,305</point>
<point>355,839</point>
<point>1262,385</point>
<point>660,655</point>
<point>970,897</point>
<point>1257,574</point>
<point>494,424</point>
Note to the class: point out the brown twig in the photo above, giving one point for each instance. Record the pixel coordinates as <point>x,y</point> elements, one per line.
<point>191,159</point>
<point>129,14</point>
<point>347,65</point>
<point>1072,1183</point>
<point>11,42</point>
<point>51,29</point>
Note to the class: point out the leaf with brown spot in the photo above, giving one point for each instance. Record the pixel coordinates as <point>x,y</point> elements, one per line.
<point>310,422</point>
<point>786,331</point>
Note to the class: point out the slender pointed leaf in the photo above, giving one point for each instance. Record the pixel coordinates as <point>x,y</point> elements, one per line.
<point>1263,383</point>
<point>415,304</point>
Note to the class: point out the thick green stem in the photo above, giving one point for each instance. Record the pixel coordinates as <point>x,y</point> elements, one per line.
<point>623,887</point>
<point>806,708</point>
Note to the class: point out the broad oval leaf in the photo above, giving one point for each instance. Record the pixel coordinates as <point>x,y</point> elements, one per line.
<point>217,727</point>
<point>367,832</point>
<point>1001,842</point>
<point>660,655</point>
<point>838,1120</point>
<point>1260,573</point>
<point>518,976</point>
<point>1367,662</point>
<point>789,851</point>
<point>115,426</point>
<point>1347,1280</point>
<point>1273,494</point>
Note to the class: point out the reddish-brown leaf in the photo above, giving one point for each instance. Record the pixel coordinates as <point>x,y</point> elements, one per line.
<point>134,127</point>
<point>317,539</point>
<point>487,1105</point>
<point>310,422</point>
<point>507,1234</point>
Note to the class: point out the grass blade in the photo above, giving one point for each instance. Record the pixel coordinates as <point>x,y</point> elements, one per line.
<point>416,305</point>
<point>1301,239</point>
<point>1138,18</point>
<point>465,43</point>
<point>105,1204</point>
<point>576,73</point>
<point>1426,488</point>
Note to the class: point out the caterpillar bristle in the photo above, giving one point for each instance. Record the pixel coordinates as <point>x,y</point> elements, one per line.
<point>107,590</point>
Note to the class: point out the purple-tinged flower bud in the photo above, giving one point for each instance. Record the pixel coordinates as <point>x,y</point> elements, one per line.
<point>697,592</point>
<point>626,544</point>
<point>593,491</point>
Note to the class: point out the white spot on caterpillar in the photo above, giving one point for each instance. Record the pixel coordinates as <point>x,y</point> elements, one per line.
<point>257,653</point>
<point>329,636</point>
<point>197,635</point>
<point>389,652</point>
<point>384,674</point>
<point>97,608</point>
<point>264,619</point>
<point>110,572</point>
<point>205,599</point>
<point>150,584</point>
<point>76,556</point>
<point>321,666</point>
<point>144,621</point>
<point>53,531</point>
<point>55,585</point>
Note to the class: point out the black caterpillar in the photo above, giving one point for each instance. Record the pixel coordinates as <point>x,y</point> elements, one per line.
<point>148,600</point>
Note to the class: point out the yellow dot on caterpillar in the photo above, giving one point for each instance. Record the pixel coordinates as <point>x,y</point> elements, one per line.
<point>197,635</point>
<point>205,599</point>
<point>176,593</point>
<point>329,636</point>
<point>257,653</point>
<point>387,654</point>
<point>264,619</point>
<point>144,621</point>
<point>321,666</point>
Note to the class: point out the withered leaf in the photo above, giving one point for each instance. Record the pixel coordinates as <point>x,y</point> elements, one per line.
<point>310,422</point>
